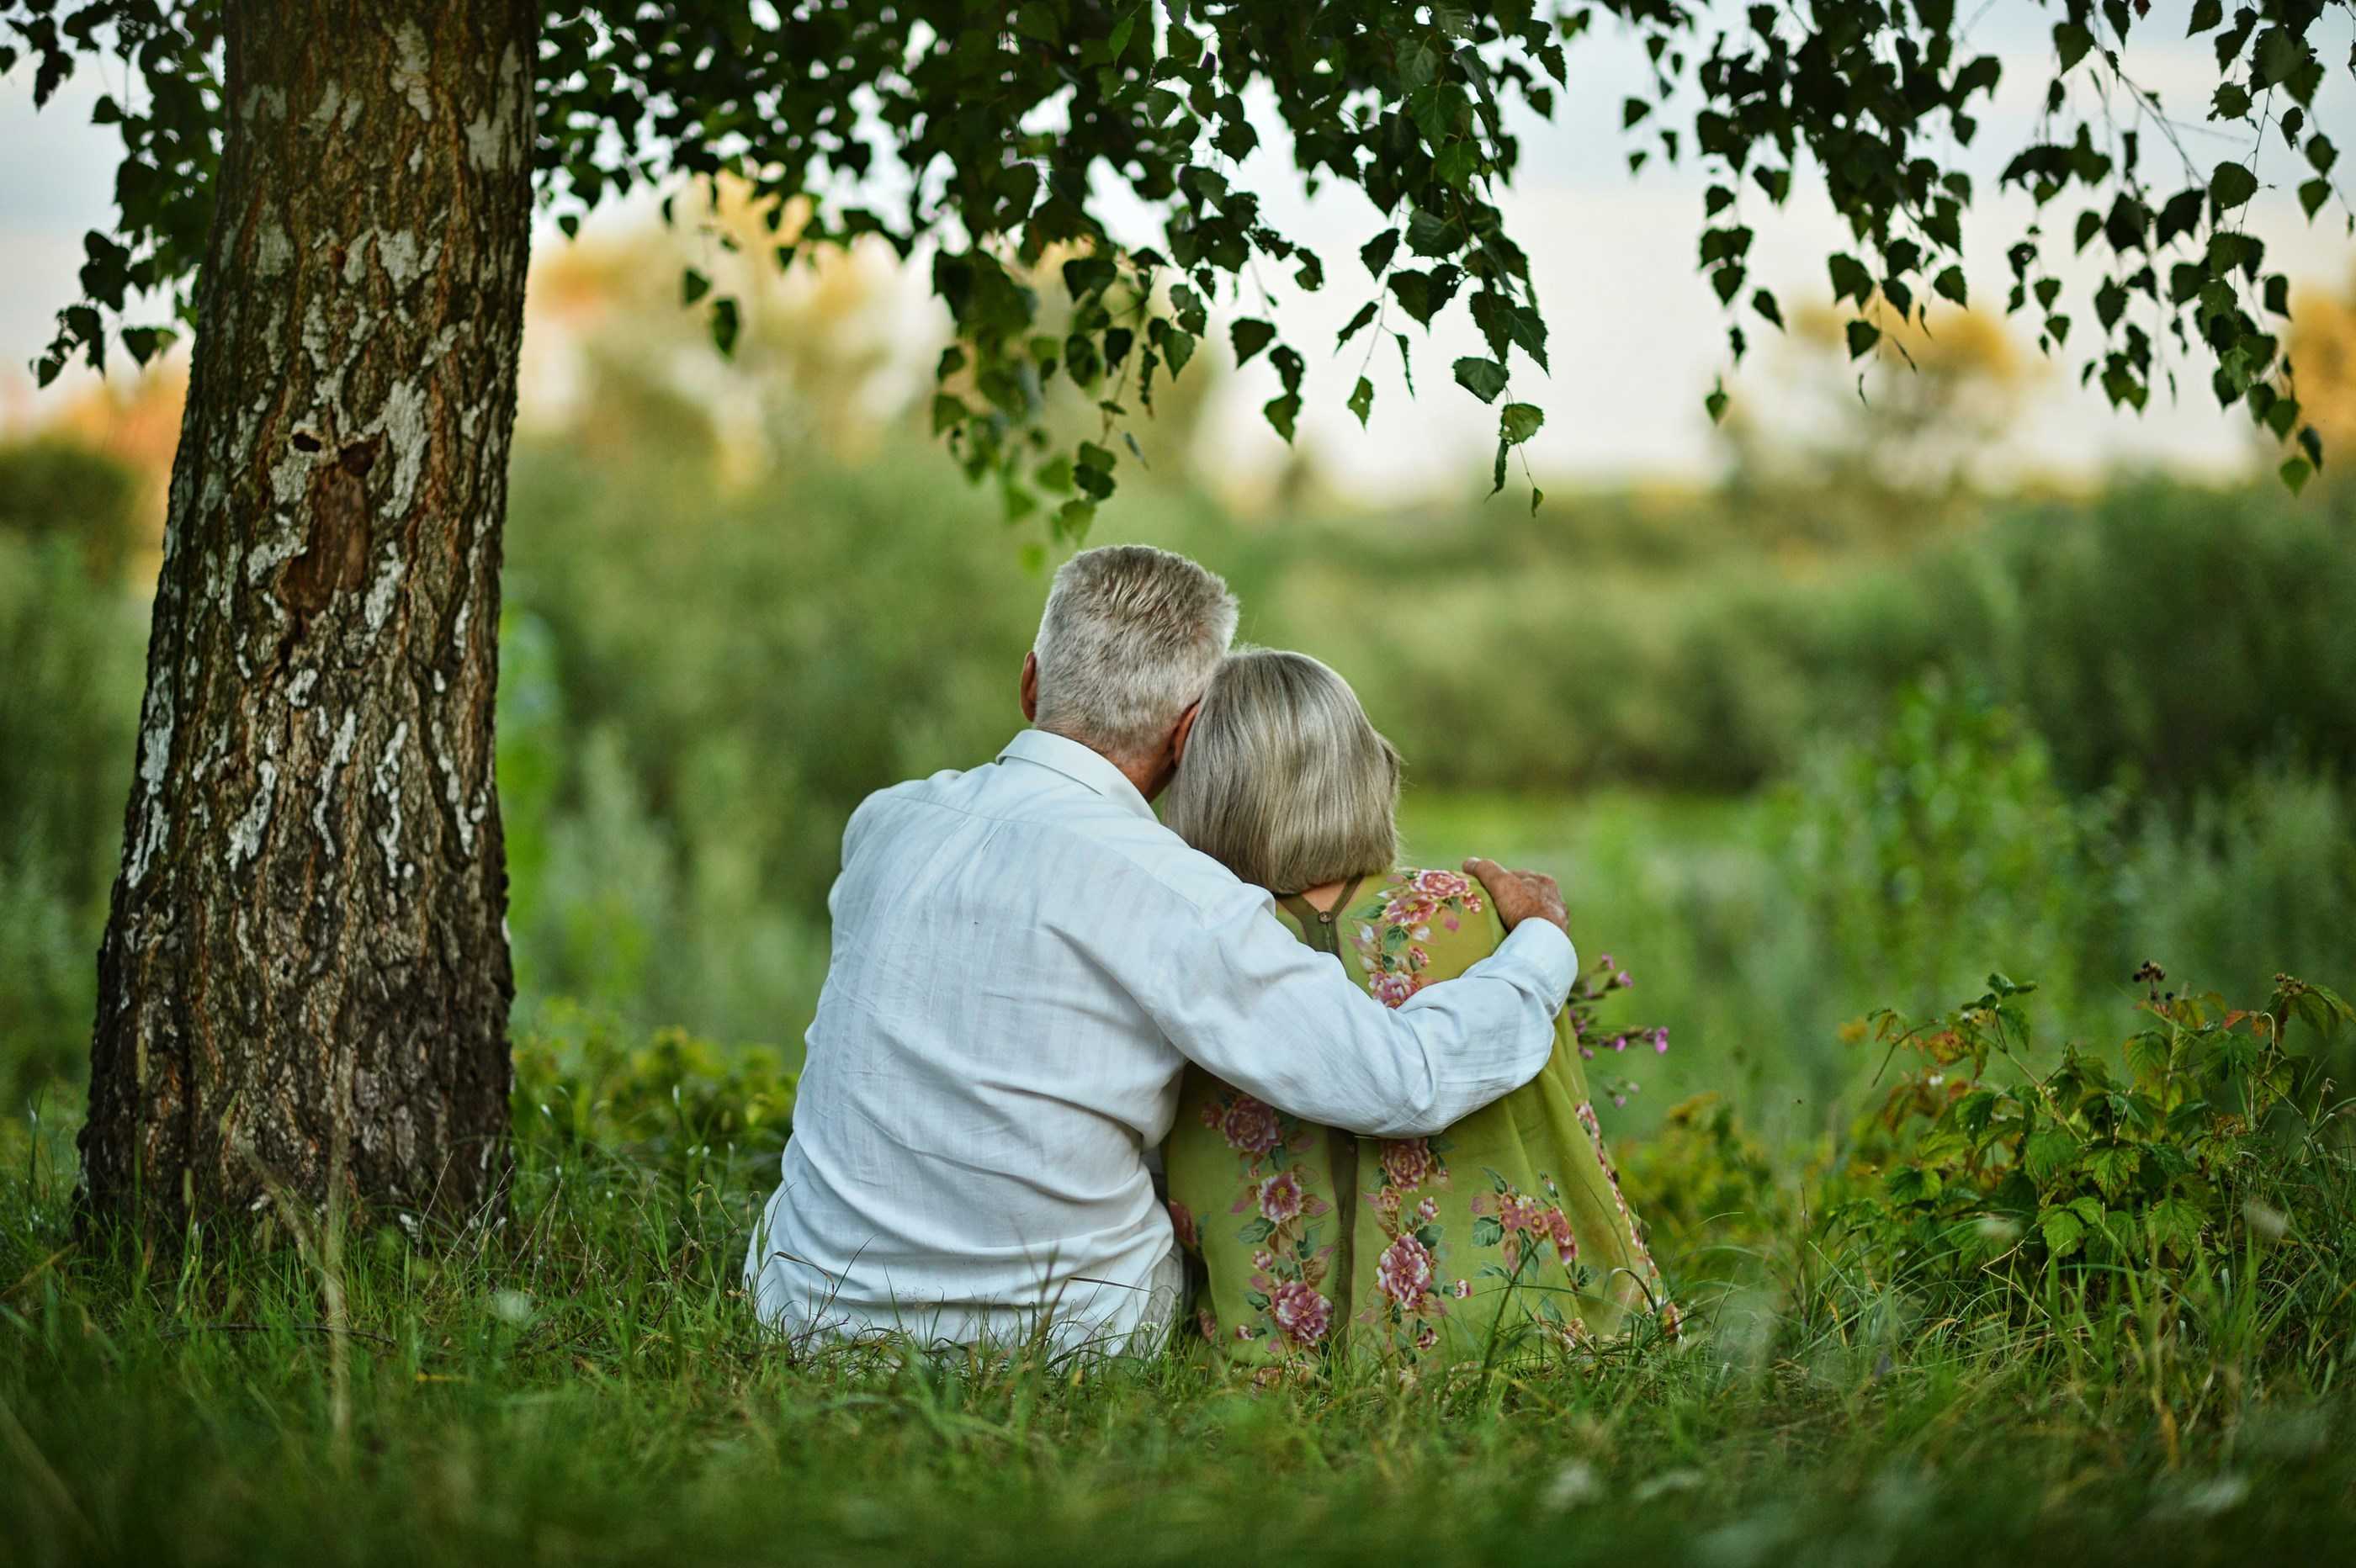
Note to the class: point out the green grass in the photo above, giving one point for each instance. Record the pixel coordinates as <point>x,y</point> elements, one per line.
<point>583,1386</point>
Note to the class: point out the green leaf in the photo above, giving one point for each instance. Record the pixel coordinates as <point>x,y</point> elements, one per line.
<point>1282,412</point>
<point>1362,400</point>
<point>1949,284</point>
<point>2047,1153</point>
<point>1716,403</point>
<point>1764,303</point>
<point>1850,280</point>
<point>2062,1232</point>
<point>2175,1224</point>
<point>2295,473</point>
<point>1519,421</point>
<point>2206,14</point>
<point>692,287</point>
<point>1862,337</point>
<point>948,412</point>
<point>724,327</point>
<point>1357,323</point>
<point>1249,336</point>
<point>1484,379</point>
<point>2113,1165</point>
<point>2231,184</point>
<point>2313,195</point>
<point>2071,42</point>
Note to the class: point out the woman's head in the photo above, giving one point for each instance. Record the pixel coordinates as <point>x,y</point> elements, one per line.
<point>1284,780</point>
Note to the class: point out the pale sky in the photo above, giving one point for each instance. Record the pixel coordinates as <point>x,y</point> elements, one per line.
<point>1637,336</point>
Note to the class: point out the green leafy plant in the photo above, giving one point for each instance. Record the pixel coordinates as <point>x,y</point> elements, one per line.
<point>2174,1151</point>
<point>582,1082</point>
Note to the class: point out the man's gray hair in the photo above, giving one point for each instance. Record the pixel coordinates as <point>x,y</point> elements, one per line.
<point>1285,782</point>
<point>1128,641</point>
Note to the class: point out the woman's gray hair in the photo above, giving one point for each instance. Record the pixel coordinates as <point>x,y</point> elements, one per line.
<point>1285,780</point>
<point>1127,643</point>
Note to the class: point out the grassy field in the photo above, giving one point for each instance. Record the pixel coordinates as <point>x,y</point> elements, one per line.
<point>583,1387</point>
<point>1787,778</point>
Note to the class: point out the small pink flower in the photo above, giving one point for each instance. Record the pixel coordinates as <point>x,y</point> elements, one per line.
<point>1391,989</point>
<point>1426,1338</point>
<point>1517,1213</point>
<point>1587,1052</point>
<point>1280,1197</point>
<point>1607,961</point>
<point>1262,1259</point>
<point>1242,1331</point>
<point>1251,1126</point>
<point>1566,1246</point>
<point>1403,1273</point>
<point>1661,1041</point>
<point>1451,923</point>
<point>1207,1321</point>
<point>1428,1209</point>
<point>1182,1223</point>
<point>1462,1290</point>
<point>1302,1314</point>
<point>1439,884</point>
<point>1409,1162</point>
<point>1623,980</point>
<point>1386,1198</point>
<point>1621,1043</point>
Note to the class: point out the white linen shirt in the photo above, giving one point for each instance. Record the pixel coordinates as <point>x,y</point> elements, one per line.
<point>1024,962</point>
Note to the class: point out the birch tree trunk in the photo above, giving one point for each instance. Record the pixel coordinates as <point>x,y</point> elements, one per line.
<point>306,954</point>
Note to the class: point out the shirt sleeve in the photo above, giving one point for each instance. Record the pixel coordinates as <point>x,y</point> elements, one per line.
<point>1245,1000</point>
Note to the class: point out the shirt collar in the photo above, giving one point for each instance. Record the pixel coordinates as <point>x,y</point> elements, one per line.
<point>1079,764</point>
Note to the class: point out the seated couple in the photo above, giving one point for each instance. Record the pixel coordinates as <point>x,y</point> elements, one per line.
<point>1360,1076</point>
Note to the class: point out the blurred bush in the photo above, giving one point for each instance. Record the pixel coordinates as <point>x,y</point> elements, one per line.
<point>71,669</point>
<point>704,669</point>
<point>52,487</point>
<point>585,1080</point>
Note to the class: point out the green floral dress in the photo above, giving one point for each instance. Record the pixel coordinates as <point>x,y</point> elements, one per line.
<point>1506,1233</point>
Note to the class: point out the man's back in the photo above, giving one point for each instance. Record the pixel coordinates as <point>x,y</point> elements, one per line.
<point>968,1152</point>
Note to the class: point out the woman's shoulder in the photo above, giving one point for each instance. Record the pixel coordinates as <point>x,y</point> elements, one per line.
<point>1420,926</point>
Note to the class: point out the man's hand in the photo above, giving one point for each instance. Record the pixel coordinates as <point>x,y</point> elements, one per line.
<point>1521,895</point>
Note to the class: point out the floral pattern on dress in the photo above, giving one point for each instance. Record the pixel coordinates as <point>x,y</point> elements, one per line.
<point>1388,931</point>
<point>1535,1256</point>
<point>1655,1289</point>
<point>1276,1197</point>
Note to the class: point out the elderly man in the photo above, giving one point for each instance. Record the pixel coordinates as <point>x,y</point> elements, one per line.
<point>1024,961</point>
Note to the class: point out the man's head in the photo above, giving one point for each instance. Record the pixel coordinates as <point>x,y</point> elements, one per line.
<point>1129,640</point>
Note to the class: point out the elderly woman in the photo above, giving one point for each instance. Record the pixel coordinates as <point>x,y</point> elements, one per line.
<point>1507,1233</point>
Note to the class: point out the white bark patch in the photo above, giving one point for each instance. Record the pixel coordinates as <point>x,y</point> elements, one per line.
<point>403,421</point>
<point>356,258</point>
<point>298,690</point>
<point>453,793</point>
<point>274,252</point>
<point>245,834</point>
<point>261,101</point>
<point>491,142</point>
<point>409,70</point>
<point>330,102</point>
<point>399,255</point>
<point>388,784</point>
<point>382,592</point>
<point>337,758</point>
<point>155,761</point>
